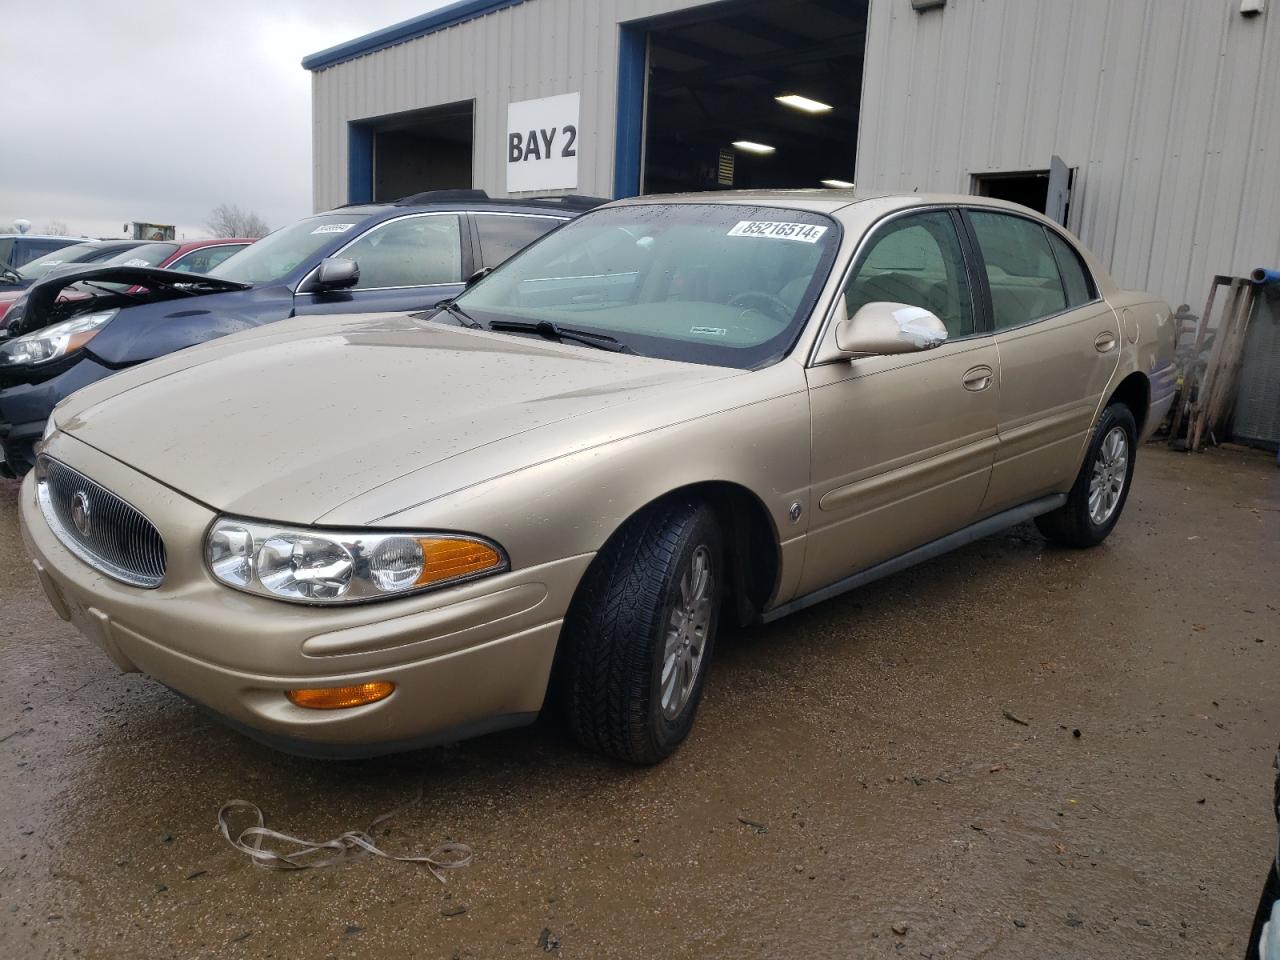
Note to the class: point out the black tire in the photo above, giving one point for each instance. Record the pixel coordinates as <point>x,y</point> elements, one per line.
<point>1073,524</point>
<point>614,639</point>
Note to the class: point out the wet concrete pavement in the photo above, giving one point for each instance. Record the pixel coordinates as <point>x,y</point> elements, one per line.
<point>868,737</point>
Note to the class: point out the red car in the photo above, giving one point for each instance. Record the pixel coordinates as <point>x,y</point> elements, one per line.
<point>194,256</point>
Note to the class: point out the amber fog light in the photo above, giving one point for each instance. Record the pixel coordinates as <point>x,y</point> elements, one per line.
<point>339,698</point>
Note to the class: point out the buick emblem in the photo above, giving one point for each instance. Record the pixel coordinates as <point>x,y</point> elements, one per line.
<point>80,515</point>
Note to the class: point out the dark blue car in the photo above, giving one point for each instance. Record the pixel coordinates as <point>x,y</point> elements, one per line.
<point>367,258</point>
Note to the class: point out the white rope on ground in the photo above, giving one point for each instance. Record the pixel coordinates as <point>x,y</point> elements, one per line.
<point>249,841</point>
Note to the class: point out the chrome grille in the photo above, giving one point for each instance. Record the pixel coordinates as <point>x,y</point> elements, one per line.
<point>98,527</point>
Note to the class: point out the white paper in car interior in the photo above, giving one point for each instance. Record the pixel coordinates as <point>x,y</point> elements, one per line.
<point>333,228</point>
<point>135,262</point>
<point>776,230</point>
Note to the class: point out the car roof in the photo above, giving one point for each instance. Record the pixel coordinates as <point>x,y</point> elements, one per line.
<point>824,201</point>
<point>39,236</point>
<point>477,201</point>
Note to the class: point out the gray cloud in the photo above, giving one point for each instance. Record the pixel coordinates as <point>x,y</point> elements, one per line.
<point>155,111</point>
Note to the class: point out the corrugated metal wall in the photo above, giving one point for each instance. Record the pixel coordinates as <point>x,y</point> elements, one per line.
<point>534,49</point>
<point>1167,107</point>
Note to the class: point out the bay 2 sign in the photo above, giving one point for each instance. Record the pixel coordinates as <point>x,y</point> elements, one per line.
<point>542,144</point>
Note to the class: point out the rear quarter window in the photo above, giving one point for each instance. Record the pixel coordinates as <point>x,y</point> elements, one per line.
<point>501,237</point>
<point>1075,278</point>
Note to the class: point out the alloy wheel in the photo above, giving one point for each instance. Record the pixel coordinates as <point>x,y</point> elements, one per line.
<point>1110,473</point>
<point>686,637</point>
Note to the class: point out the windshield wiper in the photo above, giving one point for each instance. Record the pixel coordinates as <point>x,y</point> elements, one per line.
<point>451,308</point>
<point>553,331</point>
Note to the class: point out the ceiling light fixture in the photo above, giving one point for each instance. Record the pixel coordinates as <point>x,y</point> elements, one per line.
<point>838,184</point>
<point>750,146</point>
<point>797,102</point>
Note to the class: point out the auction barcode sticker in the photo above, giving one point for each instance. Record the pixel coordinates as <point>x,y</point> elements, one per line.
<point>804,232</point>
<point>333,228</point>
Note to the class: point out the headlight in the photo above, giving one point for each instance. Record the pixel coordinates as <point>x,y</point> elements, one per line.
<point>327,566</point>
<point>55,342</point>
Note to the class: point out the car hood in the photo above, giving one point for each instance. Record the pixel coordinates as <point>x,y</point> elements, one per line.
<point>290,421</point>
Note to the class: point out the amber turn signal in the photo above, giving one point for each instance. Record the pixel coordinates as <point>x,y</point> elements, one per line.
<point>339,698</point>
<point>445,558</point>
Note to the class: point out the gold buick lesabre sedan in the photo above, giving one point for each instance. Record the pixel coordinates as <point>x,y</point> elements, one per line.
<point>351,535</point>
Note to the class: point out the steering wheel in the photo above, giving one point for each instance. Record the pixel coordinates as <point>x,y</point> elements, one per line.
<point>762,302</point>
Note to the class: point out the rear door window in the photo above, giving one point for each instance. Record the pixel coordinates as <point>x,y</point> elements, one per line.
<point>1022,272</point>
<point>501,237</point>
<point>411,252</point>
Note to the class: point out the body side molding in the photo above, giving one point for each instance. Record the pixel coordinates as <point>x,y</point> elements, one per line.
<point>975,531</point>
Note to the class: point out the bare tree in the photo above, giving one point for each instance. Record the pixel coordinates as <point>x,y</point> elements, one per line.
<point>228,220</point>
<point>56,228</point>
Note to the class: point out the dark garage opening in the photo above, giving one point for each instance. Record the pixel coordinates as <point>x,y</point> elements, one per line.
<point>423,150</point>
<point>714,82</point>
<point>1029,188</point>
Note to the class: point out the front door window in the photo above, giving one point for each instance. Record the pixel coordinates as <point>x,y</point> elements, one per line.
<point>413,252</point>
<point>916,260</point>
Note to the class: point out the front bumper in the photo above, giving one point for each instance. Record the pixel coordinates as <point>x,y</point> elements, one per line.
<point>464,660</point>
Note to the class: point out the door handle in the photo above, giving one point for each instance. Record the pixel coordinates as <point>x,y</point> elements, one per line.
<point>979,378</point>
<point>1104,342</point>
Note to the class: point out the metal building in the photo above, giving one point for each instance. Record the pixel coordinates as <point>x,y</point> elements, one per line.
<point>1148,126</point>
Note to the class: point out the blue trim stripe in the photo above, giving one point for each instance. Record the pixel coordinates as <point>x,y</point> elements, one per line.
<point>447,16</point>
<point>632,51</point>
<point>359,163</point>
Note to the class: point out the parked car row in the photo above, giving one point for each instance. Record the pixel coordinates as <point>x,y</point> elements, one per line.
<point>361,534</point>
<point>13,281</point>
<point>406,255</point>
<point>194,256</point>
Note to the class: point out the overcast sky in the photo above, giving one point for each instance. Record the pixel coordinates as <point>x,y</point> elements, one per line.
<point>157,111</point>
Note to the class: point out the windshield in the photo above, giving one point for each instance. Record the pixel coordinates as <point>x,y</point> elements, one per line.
<point>277,254</point>
<point>721,284</point>
<point>73,254</point>
<point>145,255</point>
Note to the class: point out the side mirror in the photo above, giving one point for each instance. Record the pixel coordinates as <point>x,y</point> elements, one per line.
<point>884,329</point>
<point>477,277</point>
<point>337,273</point>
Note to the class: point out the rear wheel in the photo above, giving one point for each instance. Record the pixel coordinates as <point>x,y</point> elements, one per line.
<point>1098,496</point>
<point>639,634</point>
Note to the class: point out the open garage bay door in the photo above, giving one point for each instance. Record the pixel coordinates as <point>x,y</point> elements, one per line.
<point>421,150</point>
<point>758,94</point>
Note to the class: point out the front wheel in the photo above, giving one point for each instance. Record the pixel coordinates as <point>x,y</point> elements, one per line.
<point>639,634</point>
<point>1098,496</point>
